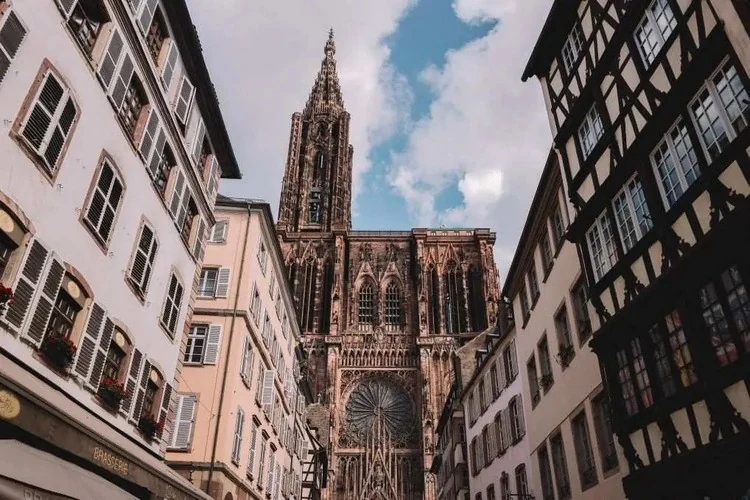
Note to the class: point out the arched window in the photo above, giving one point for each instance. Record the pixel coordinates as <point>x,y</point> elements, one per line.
<point>366,305</point>
<point>455,312</point>
<point>325,306</point>
<point>318,169</point>
<point>314,214</point>
<point>392,313</point>
<point>433,305</point>
<point>477,306</point>
<point>307,297</point>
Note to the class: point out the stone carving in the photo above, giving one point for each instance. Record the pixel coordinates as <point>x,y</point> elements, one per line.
<point>365,252</point>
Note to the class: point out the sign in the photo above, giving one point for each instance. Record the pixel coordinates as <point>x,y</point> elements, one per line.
<point>110,461</point>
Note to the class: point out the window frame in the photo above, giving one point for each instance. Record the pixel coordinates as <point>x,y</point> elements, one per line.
<point>200,292</point>
<point>190,344</point>
<point>573,48</point>
<point>641,223</point>
<point>94,190</point>
<point>590,132</point>
<point>602,262</point>
<point>675,161</point>
<point>175,306</point>
<point>662,36</point>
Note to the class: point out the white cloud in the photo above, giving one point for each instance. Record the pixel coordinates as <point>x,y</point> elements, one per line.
<point>263,58</point>
<point>485,127</point>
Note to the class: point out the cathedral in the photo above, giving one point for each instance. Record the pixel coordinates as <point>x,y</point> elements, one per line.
<point>381,311</point>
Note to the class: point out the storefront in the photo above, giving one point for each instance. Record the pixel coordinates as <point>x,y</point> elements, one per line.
<point>51,447</point>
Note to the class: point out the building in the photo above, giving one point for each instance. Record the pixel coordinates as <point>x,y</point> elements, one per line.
<point>450,465</point>
<point>240,429</point>
<point>648,103</point>
<point>112,150</point>
<point>380,311</point>
<point>492,403</point>
<point>571,445</point>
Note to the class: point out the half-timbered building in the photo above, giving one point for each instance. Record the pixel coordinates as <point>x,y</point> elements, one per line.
<point>649,105</point>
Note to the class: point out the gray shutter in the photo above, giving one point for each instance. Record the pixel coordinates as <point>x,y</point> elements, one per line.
<point>137,409</point>
<point>222,285</point>
<point>101,356</point>
<point>213,345</point>
<point>147,15</point>
<point>143,261</point>
<point>28,279</point>
<point>66,6</point>
<point>46,300</point>
<point>513,358</point>
<point>521,421</point>
<point>11,36</point>
<point>243,362</point>
<point>198,244</point>
<point>111,58</point>
<point>251,453</point>
<point>184,418</point>
<point>213,180</point>
<point>169,64</point>
<point>267,398</point>
<point>157,154</point>
<point>122,81</point>
<point>91,334</point>
<point>149,134</point>
<point>166,401</point>
<point>132,382</point>
<point>184,98</point>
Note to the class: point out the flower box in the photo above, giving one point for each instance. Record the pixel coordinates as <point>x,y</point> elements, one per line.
<point>565,354</point>
<point>58,351</point>
<point>112,392</point>
<point>150,428</point>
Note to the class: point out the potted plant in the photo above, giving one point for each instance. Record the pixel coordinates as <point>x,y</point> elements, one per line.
<point>112,392</point>
<point>59,351</point>
<point>6,296</point>
<point>149,427</point>
<point>565,354</point>
<point>546,381</point>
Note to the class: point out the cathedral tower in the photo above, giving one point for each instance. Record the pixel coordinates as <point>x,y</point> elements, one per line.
<point>316,193</point>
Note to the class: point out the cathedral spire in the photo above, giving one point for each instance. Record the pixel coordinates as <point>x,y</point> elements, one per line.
<point>326,92</point>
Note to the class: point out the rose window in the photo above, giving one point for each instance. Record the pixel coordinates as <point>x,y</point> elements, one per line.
<point>374,400</point>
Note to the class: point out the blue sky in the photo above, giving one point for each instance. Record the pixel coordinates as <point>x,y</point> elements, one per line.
<point>444,131</point>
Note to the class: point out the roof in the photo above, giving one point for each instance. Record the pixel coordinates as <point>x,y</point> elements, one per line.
<point>191,53</point>
<point>550,179</point>
<point>548,44</point>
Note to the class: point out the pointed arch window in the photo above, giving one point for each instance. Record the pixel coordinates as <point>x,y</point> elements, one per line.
<point>433,305</point>
<point>318,169</point>
<point>325,306</point>
<point>314,213</point>
<point>455,310</point>
<point>307,296</point>
<point>366,305</point>
<point>392,311</point>
<point>477,306</point>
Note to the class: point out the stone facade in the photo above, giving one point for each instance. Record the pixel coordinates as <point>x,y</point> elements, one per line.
<point>381,311</point>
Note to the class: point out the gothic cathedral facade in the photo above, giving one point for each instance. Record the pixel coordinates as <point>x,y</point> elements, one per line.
<point>381,311</point>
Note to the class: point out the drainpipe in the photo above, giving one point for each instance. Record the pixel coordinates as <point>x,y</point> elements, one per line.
<point>226,361</point>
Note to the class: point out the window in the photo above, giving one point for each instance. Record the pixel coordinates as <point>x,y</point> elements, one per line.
<point>579,296</point>
<point>104,202</point>
<point>517,427</point>
<point>558,227</point>
<point>117,351</point>
<point>524,303</point>
<point>584,455</point>
<point>572,48</point>
<point>683,359</point>
<point>721,110</point>
<point>172,305</point>
<point>262,455</point>
<point>196,343</point>
<point>262,257</point>
<point>64,314</point>
<point>149,397</point>
<point>239,424</point>
<point>675,164</point>
<point>654,28</point>
<point>46,128</point>
<point>494,382</point>
<point>625,380</point>
<point>392,306</point>
<point>725,308</point>
<point>510,362</point>
<point>207,282</point>
<point>366,305</point>
<point>7,247</point>
<point>455,310</point>
<point>433,306</point>
<point>561,467</point>
<point>504,487</point>
<point>482,398</point>
<point>545,364</point>
<point>246,364</point>
<point>156,35</point>
<point>533,284</point>
<point>491,492</point>
<point>563,329</point>
<point>12,33</point>
<point>255,304</point>
<point>219,232</point>
<point>533,381</point>
<point>601,245</point>
<point>661,362</point>
<point>546,250</point>
<point>184,419</point>
<point>631,213</point>
<point>604,436</point>
<point>590,131</point>
<point>522,483</point>
<point>314,214</point>
<point>545,473</point>
<point>142,265</point>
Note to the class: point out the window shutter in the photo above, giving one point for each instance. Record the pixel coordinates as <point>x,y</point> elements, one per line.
<point>157,154</point>
<point>132,382</point>
<point>147,15</point>
<point>219,232</point>
<point>267,398</point>
<point>169,65</point>
<point>122,81</point>
<point>101,355</point>
<point>11,35</point>
<point>90,340</point>
<point>521,421</point>
<point>500,374</point>
<point>270,471</point>
<point>111,59</point>
<point>45,300</point>
<point>236,445</point>
<point>105,201</point>
<point>513,358</point>
<point>183,426</point>
<point>243,363</point>
<point>251,453</point>
<point>213,180</point>
<point>198,244</point>
<point>66,6</point>
<point>300,404</point>
<point>197,144</point>
<point>28,279</point>
<point>177,194</point>
<point>276,482</point>
<point>166,401</point>
<point>149,135</point>
<point>213,345</point>
<point>222,283</point>
<point>172,305</point>
<point>138,408</point>
<point>184,99</point>
<point>507,434</point>
<point>143,261</point>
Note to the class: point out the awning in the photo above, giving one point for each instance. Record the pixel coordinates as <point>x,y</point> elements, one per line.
<point>28,470</point>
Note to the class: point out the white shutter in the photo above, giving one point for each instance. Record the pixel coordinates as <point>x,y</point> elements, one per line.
<point>132,382</point>
<point>66,6</point>
<point>45,300</point>
<point>214,173</point>
<point>213,345</point>
<point>12,34</point>
<point>147,15</point>
<point>101,354</point>
<point>183,427</point>
<point>184,100</point>
<point>300,404</point>
<point>267,398</point>
<point>26,284</point>
<point>89,341</point>
<point>149,135</point>
<point>122,81</point>
<point>271,468</point>
<point>222,284</point>
<point>219,231</point>
<point>167,72</point>
<point>237,443</point>
<point>104,202</point>
<point>251,452</point>
<point>243,362</point>
<point>111,59</point>
<point>143,260</point>
<point>197,143</point>
<point>513,358</point>
<point>157,153</point>
<point>180,198</point>
<point>199,242</point>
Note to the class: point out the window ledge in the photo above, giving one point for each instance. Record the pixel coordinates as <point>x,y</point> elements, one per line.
<point>170,335</point>
<point>140,295</point>
<point>102,245</point>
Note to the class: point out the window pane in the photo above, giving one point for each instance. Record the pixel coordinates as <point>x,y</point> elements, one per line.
<point>683,360</point>
<point>739,304</point>
<point>733,96</point>
<point>709,123</point>
<point>716,322</point>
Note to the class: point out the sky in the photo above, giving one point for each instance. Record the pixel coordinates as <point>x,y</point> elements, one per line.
<point>445,134</point>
